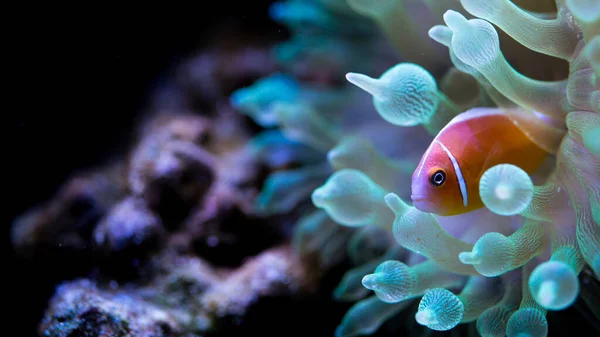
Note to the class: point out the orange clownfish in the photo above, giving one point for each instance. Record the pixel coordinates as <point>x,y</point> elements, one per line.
<point>446,181</point>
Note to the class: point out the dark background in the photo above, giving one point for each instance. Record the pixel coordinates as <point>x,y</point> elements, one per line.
<point>78,78</point>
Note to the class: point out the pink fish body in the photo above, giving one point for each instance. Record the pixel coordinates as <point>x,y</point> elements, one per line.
<point>446,181</point>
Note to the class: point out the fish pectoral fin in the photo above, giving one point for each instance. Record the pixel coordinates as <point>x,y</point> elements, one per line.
<point>494,152</point>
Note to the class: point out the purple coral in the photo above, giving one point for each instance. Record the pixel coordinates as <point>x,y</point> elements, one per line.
<point>163,241</point>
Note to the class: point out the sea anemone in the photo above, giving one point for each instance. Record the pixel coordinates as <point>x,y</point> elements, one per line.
<point>501,267</point>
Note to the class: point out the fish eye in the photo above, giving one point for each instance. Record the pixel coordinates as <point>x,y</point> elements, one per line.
<point>438,178</point>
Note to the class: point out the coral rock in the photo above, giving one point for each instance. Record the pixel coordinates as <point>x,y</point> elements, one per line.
<point>80,308</point>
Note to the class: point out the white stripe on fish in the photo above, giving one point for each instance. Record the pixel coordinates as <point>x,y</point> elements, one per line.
<point>461,179</point>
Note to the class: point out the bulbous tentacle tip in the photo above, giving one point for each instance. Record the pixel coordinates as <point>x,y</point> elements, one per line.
<point>371,85</point>
<point>554,285</point>
<point>251,103</point>
<point>469,258</point>
<point>455,20</point>
<point>441,34</point>
<point>257,100</point>
<point>506,189</point>
<point>370,281</point>
<point>475,42</point>
<point>396,204</point>
<point>491,254</point>
<point>426,317</point>
<point>392,281</point>
<point>352,199</point>
<point>439,310</point>
<point>404,95</point>
<point>528,322</point>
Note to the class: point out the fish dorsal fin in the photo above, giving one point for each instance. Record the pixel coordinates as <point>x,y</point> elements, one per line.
<point>543,131</point>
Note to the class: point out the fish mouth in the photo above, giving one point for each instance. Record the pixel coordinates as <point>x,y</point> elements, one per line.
<point>417,197</point>
<point>422,204</point>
